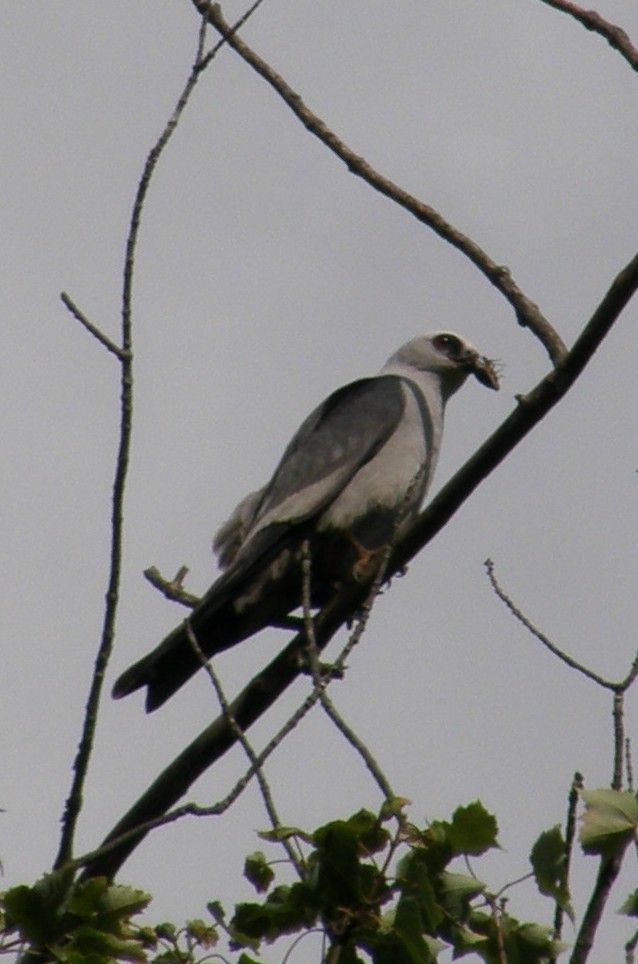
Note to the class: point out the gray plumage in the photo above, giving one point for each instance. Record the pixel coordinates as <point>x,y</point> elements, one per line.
<point>350,481</point>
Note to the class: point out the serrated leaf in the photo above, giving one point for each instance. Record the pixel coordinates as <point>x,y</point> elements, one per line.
<point>549,863</point>
<point>90,941</point>
<point>609,821</point>
<point>97,898</point>
<point>473,830</point>
<point>258,871</point>
<point>34,912</point>
<point>371,835</point>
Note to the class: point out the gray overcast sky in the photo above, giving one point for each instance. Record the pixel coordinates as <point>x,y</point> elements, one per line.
<point>266,276</point>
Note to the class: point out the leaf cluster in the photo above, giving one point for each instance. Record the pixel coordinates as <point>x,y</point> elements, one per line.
<point>376,894</point>
<point>391,897</point>
<point>89,922</point>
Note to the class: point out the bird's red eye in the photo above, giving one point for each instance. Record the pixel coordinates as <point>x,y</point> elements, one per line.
<point>446,343</point>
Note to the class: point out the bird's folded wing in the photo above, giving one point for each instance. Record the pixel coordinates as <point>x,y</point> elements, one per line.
<point>334,442</point>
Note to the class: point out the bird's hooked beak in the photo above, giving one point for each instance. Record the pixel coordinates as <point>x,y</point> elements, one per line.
<point>482,368</point>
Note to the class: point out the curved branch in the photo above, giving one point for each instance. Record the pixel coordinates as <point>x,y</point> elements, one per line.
<point>527,313</point>
<point>615,36</point>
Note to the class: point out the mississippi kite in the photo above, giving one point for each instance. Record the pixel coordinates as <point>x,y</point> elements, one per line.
<point>350,482</point>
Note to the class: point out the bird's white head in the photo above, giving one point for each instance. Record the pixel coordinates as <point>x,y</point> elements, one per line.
<point>448,356</point>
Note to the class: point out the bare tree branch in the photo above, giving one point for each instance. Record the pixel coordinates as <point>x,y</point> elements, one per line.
<point>532,408</point>
<point>91,328</point>
<point>527,313</point>
<point>570,836</point>
<point>607,875</point>
<point>545,640</point>
<point>615,36</point>
<point>172,589</point>
<point>73,803</point>
<point>321,683</point>
<point>246,745</point>
<point>217,738</point>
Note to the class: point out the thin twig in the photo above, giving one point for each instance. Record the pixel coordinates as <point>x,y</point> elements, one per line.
<point>114,843</point>
<point>172,589</point>
<point>618,715</point>
<point>496,919</point>
<point>73,803</point>
<point>545,640</point>
<point>570,836</point>
<point>321,681</point>
<point>527,313</point>
<point>629,765</point>
<point>235,27</point>
<point>242,739</point>
<point>93,329</point>
<point>631,676</point>
<point>615,36</point>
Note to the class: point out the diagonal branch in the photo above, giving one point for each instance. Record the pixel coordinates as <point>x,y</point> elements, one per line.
<point>531,409</point>
<point>104,340</point>
<point>615,36</point>
<point>265,688</point>
<point>217,738</point>
<point>527,313</point>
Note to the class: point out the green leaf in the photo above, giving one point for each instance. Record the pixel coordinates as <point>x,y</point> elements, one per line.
<point>371,836</point>
<point>549,863</point>
<point>455,891</point>
<point>630,906</point>
<point>37,912</point>
<point>166,931</point>
<point>91,942</point>
<point>287,910</point>
<point>415,879</point>
<point>408,925</point>
<point>258,871</point>
<point>216,911</point>
<point>609,822</point>
<point>338,881</point>
<point>97,899</point>
<point>204,934</point>
<point>523,943</point>
<point>473,830</point>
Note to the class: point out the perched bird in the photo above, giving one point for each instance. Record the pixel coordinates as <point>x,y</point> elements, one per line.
<point>350,482</point>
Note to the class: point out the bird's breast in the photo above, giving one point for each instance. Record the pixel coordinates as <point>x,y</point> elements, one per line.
<point>396,478</point>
